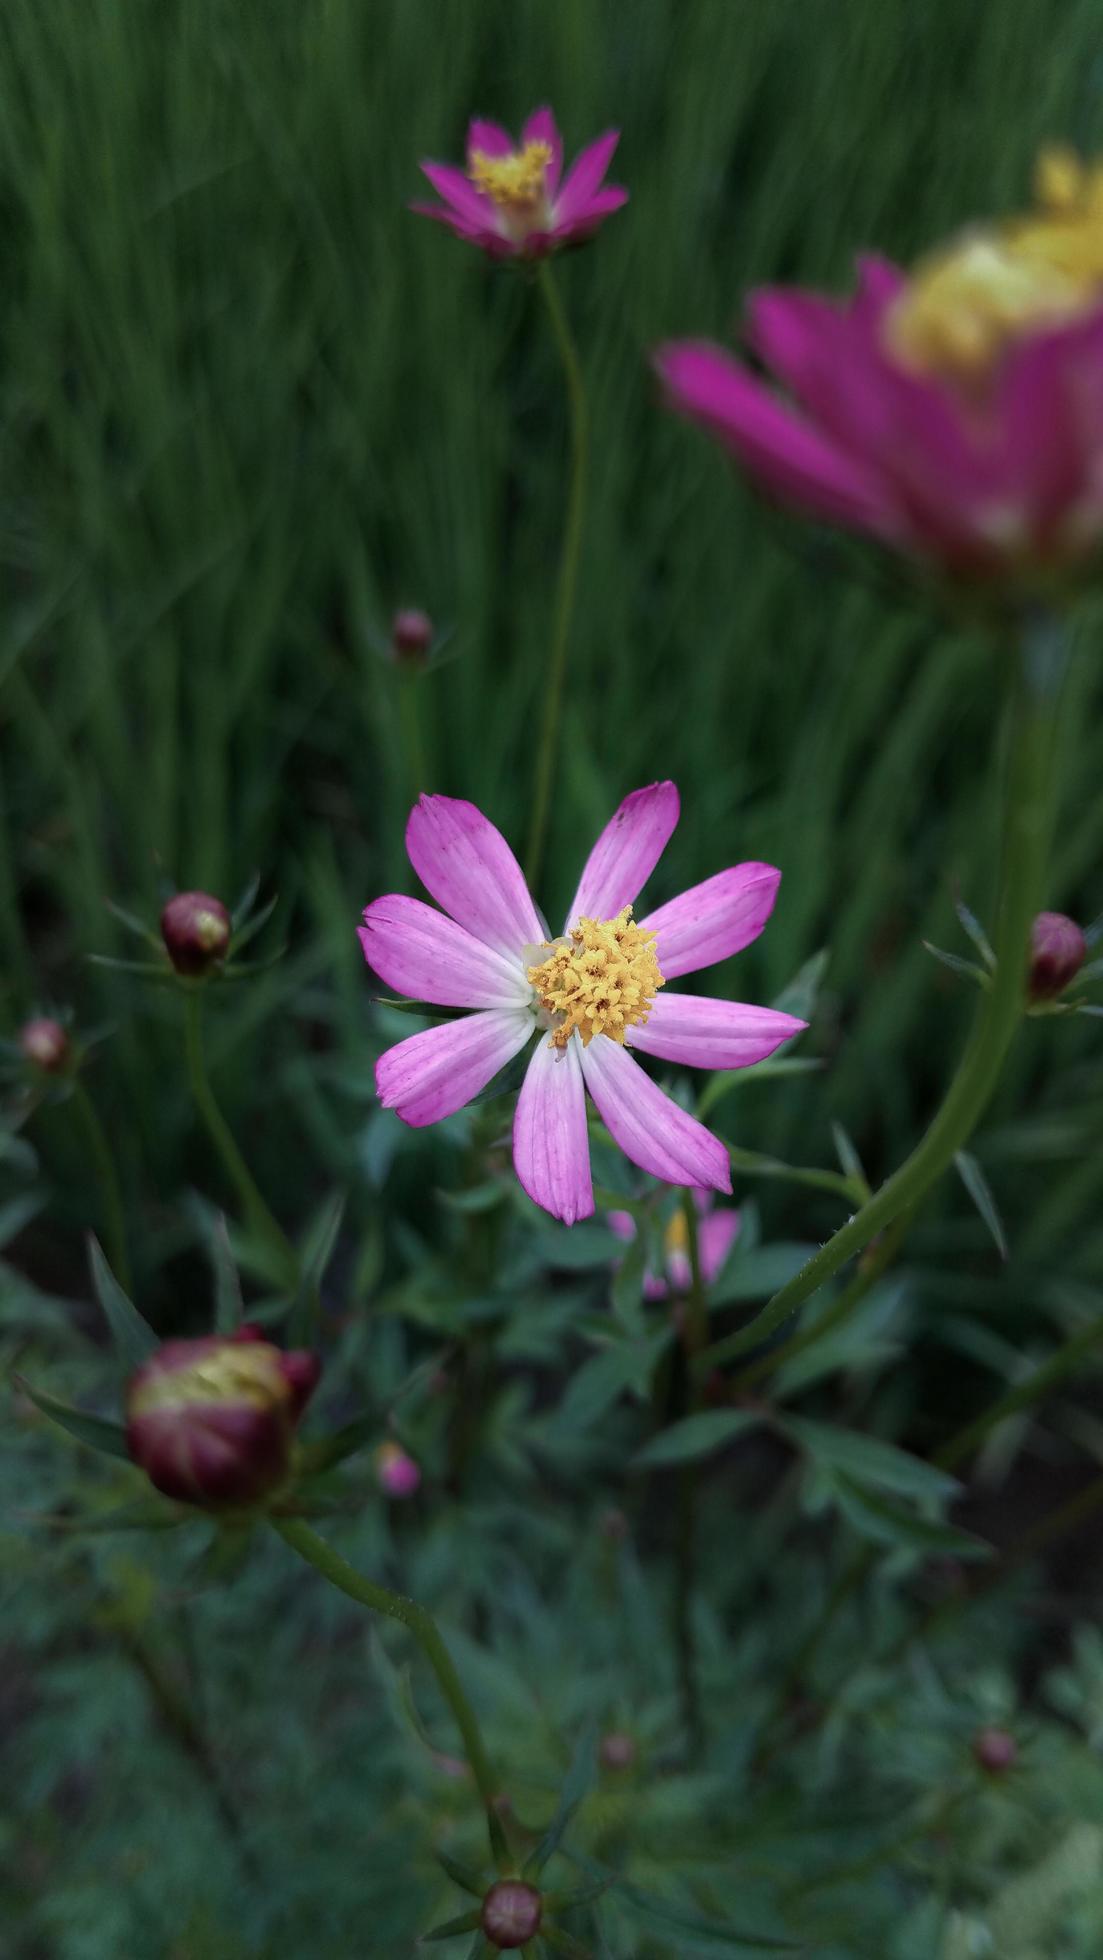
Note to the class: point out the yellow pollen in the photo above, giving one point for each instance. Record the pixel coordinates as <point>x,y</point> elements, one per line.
<point>515,181</point>
<point>967,304</point>
<point>247,1372</point>
<point>600,979</point>
<point>676,1236</point>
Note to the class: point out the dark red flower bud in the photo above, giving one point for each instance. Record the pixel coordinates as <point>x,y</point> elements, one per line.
<point>196,930</point>
<point>511,1912</point>
<point>995,1750</point>
<point>212,1421</point>
<point>411,635</point>
<point>617,1750</point>
<point>46,1045</point>
<point>1058,950</point>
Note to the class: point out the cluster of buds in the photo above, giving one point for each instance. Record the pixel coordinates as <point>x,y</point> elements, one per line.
<point>212,1421</point>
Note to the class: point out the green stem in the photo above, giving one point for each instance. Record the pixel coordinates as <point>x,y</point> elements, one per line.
<point>695,1338</point>
<point>413,739</point>
<point>257,1212</point>
<point>840,1310</point>
<point>1037,1384</point>
<point>1027,824</point>
<point>420,1623</point>
<point>568,577</point>
<point>114,1218</point>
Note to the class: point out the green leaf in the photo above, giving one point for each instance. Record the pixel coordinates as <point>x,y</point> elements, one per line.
<point>603,1379</point>
<point>317,1253</point>
<point>695,1436</point>
<point>890,1524</point>
<point>973,930</point>
<point>727,1079</point>
<point>99,1434</point>
<point>17,1213</point>
<point>756,1274</point>
<point>228,1309</point>
<point>977,1186</point>
<point>803,991</point>
<point>328,1450</point>
<point>967,969</point>
<point>134,1338</point>
<point>627,1287</point>
<point>868,1460</point>
<point>464,1922</point>
<point>579,1780</point>
<point>465,1876</point>
<point>753,1163</point>
<point>848,1157</point>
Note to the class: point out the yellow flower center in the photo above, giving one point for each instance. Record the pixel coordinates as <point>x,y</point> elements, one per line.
<point>600,979</point>
<point>248,1372</point>
<point>515,181</point>
<point>968,303</point>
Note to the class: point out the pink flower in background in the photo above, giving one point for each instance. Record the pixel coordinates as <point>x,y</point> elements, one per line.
<point>716,1234</point>
<point>510,202</point>
<point>591,995</point>
<point>955,414</point>
<point>396,1471</point>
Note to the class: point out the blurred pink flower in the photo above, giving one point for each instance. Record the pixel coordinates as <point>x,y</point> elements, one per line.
<point>955,414</point>
<point>509,201</point>
<point>591,992</point>
<point>396,1471</point>
<point>716,1234</point>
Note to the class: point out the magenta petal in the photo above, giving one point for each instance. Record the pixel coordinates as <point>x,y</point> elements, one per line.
<point>458,191</point>
<point>789,457</point>
<point>427,956</point>
<point>621,1224</point>
<point>716,1235</point>
<point>487,241</point>
<point>585,176</point>
<point>704,1033</point>
<point>591,214</point>
<point>551,1146</point>
<point>541,127</point>
<point>432,1074</point>
<point>489,137</point>
<point>467,866</point>
<point>713,920</point>
<point>626,853</point>
<point>651,1129</point>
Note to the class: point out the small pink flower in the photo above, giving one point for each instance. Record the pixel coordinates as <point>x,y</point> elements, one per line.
<point>1058,949</point>
<point>510,202</point>
<point>397,1473</point>
<point>716,1234</point>
<point>592,995</point>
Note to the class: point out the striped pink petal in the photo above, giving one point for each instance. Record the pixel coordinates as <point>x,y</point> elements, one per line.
<point>458,191</point>
<point>541,127</point>
<point>551,1147</point>
<point>705,1033</point>
<point>651,1129</point>
<point>626,853</point>
<point>432,1074</point>
<point>713,920</point>
<point>467,866</point>
<point>585,176</point>
<point>427,956</point>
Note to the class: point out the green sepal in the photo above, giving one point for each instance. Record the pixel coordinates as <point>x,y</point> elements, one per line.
<point>464,1922</point>
<point>133,1337</point>
<point>579,1780</point>
<point>464,1876</point>
<point>109,1438</point>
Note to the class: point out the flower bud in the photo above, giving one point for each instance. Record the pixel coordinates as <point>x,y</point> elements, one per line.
<point>46,1045</point>
<point>1058,949</point>
<point>212,1421</point>
<point>397,1473</point>
<point>411,636</point>
<point>511,1912</point>
<point>995,1750</point>
<point>617,1750</point>
<point>196,930</point>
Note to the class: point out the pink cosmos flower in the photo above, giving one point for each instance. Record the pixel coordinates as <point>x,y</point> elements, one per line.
<point>592,995</point>
<point>955,415</point>
<point>510,202</point>
<point>716,1234</point>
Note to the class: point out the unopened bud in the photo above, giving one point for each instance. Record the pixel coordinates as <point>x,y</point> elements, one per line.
<point>212,1421</point>
<point>396,1472</point>
<point>196,930</point>
<point>1058,950</point>
<point>46,1045</point>
<point>411,635</point>
<point>511,1913</point>
<point>995,1750</point>
<point>617,1750</point>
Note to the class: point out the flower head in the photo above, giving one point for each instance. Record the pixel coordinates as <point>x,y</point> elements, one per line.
<point>46,1045</point>
<point>212,1421</point>
<point>511,1914</point>
<point>411,636</point>
<point>397,1473</point>
<point>509,200</point>
<point>196,930</point>
<point>717,1231</point>
<point>955,413</point>
<point>1058,950</point>
<point>589,997</point>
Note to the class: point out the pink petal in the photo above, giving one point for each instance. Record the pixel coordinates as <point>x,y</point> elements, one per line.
<point>551,1146</point>
<point>621,1224</point>
<point>458,191</point>
<point>432,1074</point>
<point>467,866</point>
<point>487,241</point>
<point>790,459</point>
<point>711,1033</point>
<point>489,137</point>
<point>585,176</point>
<point>626,853</point>
<point>713,920</point>
<point>541,127</point>
<point>427,956</point>
<point>716,1235</point>
<point>651,1129</point>
<point>587,219</point>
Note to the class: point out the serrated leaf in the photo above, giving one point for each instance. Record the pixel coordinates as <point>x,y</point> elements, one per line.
<point>695,1436</point>
<point>109,1438</point>
<point>133,1337</point>
<point>978,1188</point>
<point>579,1780</point>
<point>868,1460</point>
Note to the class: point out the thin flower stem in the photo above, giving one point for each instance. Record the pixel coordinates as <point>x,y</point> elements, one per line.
<point>568,577</point>
<point>420,1623</point>
<point>113,1215</point>
<point>257,1212</point>
<point>1021,1396</point>
<point>695,1337</point>
<point>1029,798</point>
<point>849,1300</point>
<point>413,734</point>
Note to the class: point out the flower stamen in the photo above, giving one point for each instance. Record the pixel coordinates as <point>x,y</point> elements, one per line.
<point>600,979</point>
<point>515,181</point>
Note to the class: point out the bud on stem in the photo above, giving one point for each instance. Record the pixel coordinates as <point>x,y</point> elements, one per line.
<point>212,1421</point>
<point>196,930</point>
